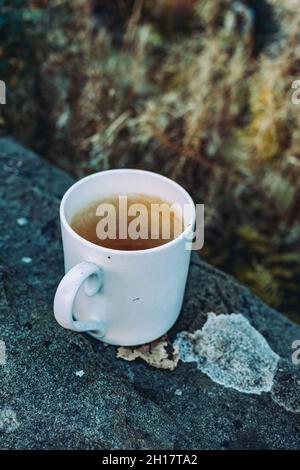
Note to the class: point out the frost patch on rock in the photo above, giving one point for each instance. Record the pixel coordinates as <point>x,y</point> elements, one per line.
<point>2,353</point>
<point>8,420</point>
<point>231,352</point>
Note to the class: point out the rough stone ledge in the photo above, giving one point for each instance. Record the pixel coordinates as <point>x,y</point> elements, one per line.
<point>45,400</point>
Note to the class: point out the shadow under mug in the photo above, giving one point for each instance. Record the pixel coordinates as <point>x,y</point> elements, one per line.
<point>122,297</point>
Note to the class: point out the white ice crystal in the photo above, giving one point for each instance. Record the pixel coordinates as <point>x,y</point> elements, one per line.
<point>22,221</point>
<point>79,373</point>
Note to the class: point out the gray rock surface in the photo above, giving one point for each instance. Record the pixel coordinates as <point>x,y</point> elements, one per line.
<point>116,404</point>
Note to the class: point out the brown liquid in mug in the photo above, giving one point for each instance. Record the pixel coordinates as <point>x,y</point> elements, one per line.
<point>161,223</point>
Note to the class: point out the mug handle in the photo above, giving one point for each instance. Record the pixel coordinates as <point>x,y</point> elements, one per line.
<point>92,276</point>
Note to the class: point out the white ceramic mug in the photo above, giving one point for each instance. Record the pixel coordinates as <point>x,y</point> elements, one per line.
<point>122,297</point>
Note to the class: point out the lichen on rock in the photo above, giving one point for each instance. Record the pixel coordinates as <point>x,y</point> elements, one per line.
<point>156,354</point>
<point>231,352</point>
<point>286,388</point>
<point>8,420</point>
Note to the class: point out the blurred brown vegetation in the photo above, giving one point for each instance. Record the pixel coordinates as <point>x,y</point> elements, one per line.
<point>199,90</point>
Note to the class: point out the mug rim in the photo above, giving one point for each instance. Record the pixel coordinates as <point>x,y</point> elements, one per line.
<point>100,248</point>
